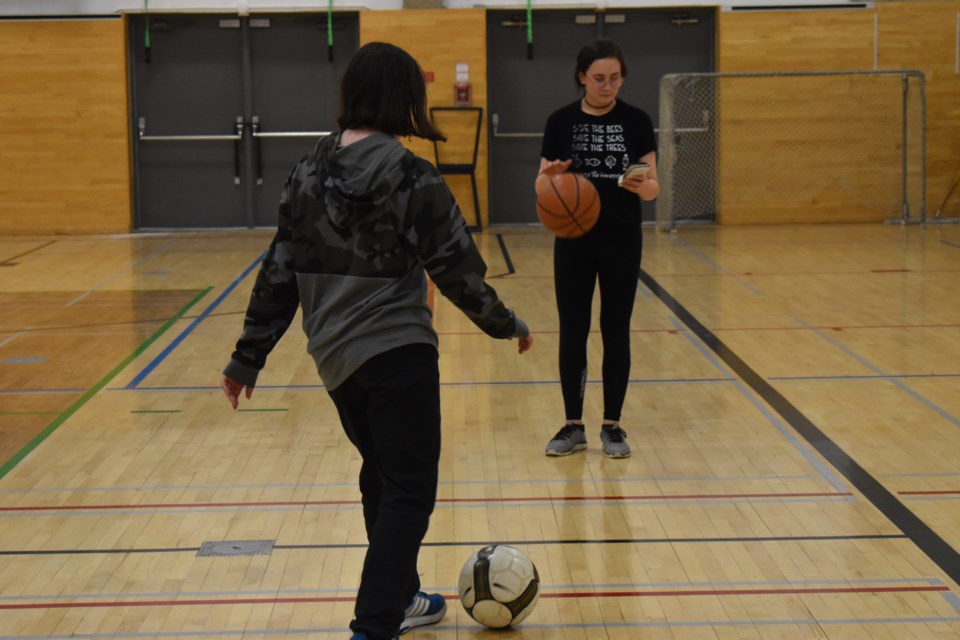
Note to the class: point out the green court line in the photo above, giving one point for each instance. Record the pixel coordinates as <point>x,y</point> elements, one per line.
<point>72,409</point>
<point>256,410</point>
<point>155,411</point>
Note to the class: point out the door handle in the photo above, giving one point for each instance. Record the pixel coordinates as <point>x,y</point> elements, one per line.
<point>495,125</point>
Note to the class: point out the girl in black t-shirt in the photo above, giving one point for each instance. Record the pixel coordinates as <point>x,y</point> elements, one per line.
<point>599,136</point>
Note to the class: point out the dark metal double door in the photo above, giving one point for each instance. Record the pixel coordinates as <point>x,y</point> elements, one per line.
<point>524,90</point>
<point>225,108</point>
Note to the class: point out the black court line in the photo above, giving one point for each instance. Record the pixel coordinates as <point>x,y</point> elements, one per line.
<point>477,544</point>
<point>926,539</point>
<point>506,258</point>
<point>8,263</point>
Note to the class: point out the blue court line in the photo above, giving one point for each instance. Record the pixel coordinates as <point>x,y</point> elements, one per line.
<point>316,485</point>
<point>808,622</point>
<point>894,381</point>
<point>193,325</point>
<point>789,434</point>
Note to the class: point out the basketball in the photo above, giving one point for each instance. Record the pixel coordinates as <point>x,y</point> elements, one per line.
<point>499,586</point>
<point>567,204</point>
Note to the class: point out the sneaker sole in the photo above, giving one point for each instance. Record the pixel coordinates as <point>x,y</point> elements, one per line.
<point>576,447</point>
<point>419,621</point>
<point>617,455</point>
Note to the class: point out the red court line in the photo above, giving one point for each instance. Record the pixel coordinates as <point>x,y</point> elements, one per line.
<point>945,492</point>
<point>571,594</point>
<point>306,503</point>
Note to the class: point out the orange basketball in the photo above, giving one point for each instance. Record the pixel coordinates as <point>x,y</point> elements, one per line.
<point>567,204</point>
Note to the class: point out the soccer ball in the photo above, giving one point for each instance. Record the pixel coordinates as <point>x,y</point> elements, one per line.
<point>499,586</point>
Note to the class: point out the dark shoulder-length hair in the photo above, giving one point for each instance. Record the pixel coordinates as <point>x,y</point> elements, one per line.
<point>383,89</point>
<point>597,50</point>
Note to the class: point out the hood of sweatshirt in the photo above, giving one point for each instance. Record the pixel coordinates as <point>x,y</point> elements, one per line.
<point>361,177</point>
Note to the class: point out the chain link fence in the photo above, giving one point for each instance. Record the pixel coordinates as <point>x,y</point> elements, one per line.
<point>753,148</point>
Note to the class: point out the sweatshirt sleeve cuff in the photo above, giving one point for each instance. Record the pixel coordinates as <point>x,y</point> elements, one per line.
<point>241,373</point>
<point>521,330</point>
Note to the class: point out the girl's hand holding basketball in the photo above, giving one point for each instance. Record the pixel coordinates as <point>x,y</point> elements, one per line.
<point>554,167</point>
<point>232,388</point>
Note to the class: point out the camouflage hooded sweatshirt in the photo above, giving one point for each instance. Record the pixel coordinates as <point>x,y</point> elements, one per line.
<point>358,228</point>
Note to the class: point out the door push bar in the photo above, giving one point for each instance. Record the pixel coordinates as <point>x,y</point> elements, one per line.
<point>257,135</point>
<point>236,138</point>
<point>495,121</point>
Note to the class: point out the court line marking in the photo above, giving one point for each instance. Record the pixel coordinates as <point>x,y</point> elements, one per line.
<point>923,536</point>
<point>477,544</point>
<point>453,589</point>
<point>789,435</point>
<point>314,485</point>
<point>713,265</point>
<point>886,376</point>
<point>82,400</point>
<point>869,365</point>
<point>514,505</point>
<point>353,502</point>
<point>193,325</point>
<point>6,261</point>
<point>526,625</point>
<point>10,339</point>
<point>120,273</point>
<point>653,593</point>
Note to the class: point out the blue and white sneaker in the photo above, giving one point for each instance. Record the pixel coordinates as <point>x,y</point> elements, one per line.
<point>423,609</point>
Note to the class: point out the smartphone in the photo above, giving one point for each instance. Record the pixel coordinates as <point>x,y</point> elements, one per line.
<point>635,170</point>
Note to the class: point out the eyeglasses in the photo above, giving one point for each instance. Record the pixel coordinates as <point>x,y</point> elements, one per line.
<point>614,81</point>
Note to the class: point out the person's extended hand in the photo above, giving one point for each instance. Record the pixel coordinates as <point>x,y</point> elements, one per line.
<point>232,388</point>
<point>525,344</point>
<point>555,167</point>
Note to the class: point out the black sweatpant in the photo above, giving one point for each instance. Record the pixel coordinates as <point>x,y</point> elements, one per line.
<point>611,256</point>
<point>390,410</point>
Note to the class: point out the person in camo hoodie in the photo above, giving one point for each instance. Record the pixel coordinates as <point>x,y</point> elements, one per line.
<point>361,221</point>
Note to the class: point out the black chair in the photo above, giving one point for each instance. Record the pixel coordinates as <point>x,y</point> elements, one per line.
<point>467,168</point>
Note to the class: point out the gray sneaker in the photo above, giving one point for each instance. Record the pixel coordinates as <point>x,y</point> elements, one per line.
<point>614,441</point>
<point>570,438</point>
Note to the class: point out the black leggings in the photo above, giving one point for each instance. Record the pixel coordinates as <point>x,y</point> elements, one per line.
<point>612,256</point>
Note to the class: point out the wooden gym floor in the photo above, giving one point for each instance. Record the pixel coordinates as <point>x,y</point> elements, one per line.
<point>794,413</point>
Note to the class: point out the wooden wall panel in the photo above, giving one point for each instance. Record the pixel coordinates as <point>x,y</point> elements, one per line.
<point>64,163</point>
<point>439,39</point>
<point>809,40</point>
<point>756,130</point>
<point>913,35</point>
<point>923,35</point>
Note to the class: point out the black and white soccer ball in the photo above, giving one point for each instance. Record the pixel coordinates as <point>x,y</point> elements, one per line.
<point>499,586</point>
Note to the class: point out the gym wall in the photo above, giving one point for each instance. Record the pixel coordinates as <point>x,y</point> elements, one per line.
<point>64,145</point>
<point>64,164</point>
<point>900,35</point>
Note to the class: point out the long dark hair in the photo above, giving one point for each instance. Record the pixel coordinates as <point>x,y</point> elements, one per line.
<point>383,89</point>
<point>597,50</point>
